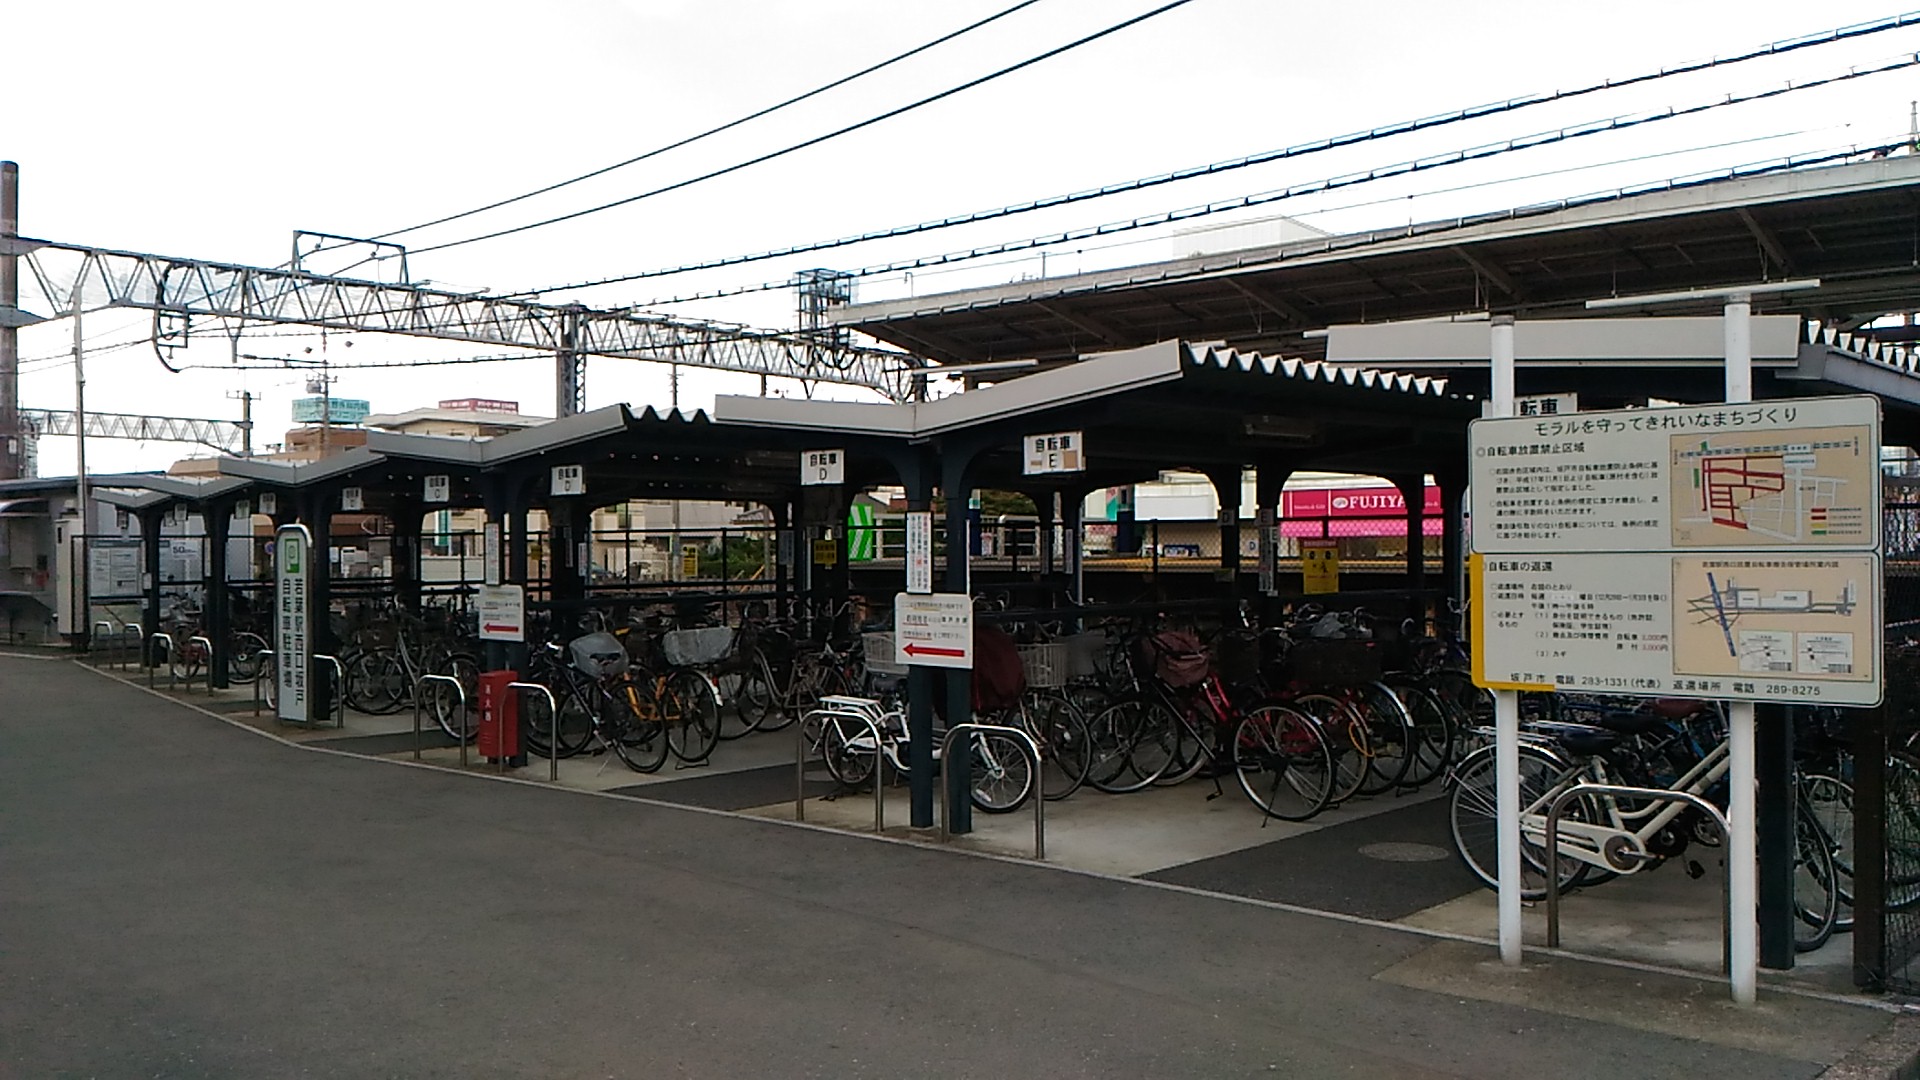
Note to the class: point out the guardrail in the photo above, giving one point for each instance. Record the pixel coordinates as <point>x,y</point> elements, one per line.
<point>553,731</point>
<point>1030,749</point>
<point>457,689</point>
<point>262,658</point>
<point>1559,804</point>
<point>834,708</point>
<point>160,635</point>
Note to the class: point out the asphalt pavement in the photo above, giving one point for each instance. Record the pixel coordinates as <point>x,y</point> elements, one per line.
<point>181,898</point>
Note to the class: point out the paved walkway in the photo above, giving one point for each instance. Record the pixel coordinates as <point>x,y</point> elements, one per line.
<point>179,898</point>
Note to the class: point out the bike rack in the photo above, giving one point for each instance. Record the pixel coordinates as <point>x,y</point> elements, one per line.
<point>108,624</point>
<point>168,638</point>
<point>1713,813</point>
<point>260,657</point>
<point>553,730</point>
<point>209,671</point>
<point>861,710</point>
<point>1032,751</point>
<point>339,690</point>
<point>458,689</point>
<point>128,651</point>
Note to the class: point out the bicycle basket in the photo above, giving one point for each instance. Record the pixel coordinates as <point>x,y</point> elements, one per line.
<point>877,646</point>
<point>1178,658</point>
<point>598,655</point>
<point>1045,664</point>
<point>686,648</point>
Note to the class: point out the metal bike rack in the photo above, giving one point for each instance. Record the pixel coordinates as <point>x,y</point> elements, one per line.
<point>339,689</point>
<point>168,638</point>
<point>553,730</point>
<point>1032,751</point>
<point>1552,846</point>
<point>457,689</point>
<point>129,651</point>
<point>209,671</point>
<point>864,711</point>
<point>108,636</point>
<point>260,658</point>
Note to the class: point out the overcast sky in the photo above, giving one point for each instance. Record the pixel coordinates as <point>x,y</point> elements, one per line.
<point>213,130</point>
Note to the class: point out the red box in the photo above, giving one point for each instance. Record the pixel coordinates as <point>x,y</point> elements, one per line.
<point>499,734</point>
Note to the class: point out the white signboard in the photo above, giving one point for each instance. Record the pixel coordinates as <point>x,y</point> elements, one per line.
<point>503,612</point>
<point>1059,452</point>
<point>113,570</point>
<point>1784,474</point>
<point>1753,626</point>
<point>242,510</point>
<point>352,499</point>
<point>293,623</point>
<point>1716,551</point>
<point>823,467</point>
<point>490,553</point>
<point>269,504</point>
<point>919,551</point>
<point>439,489</point>
<point>569,480</point>
<point>935,630</point>
<point>1547,404</point>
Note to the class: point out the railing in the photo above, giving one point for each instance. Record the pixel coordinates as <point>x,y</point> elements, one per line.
<point>553,731</point>
<point>151,664</point>
<point>1713,814</point>
<point>833,708</point>
<point>459,690</point>
<point>1028,747</point>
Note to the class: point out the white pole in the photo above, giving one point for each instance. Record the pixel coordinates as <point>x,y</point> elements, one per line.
<point>1506,710</point>
<point>1743,859</point>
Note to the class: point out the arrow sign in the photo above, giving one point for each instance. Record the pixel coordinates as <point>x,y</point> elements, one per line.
<point>915,649</point>
<point>495,628</point>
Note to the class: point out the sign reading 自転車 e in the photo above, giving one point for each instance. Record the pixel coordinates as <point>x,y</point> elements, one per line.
<point>293,622</point>
<point>1717,551</point>
<point>933,630</point>
<point>1059,452</point>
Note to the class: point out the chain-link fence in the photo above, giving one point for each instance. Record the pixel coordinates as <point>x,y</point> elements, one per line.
<point>1898,776</point>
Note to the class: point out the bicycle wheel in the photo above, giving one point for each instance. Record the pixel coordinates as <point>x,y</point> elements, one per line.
<point>1390,731</point>
<point>630,722</point>
<point>1348,739</point>
<point>444,704</point>
<point>1432,736</point>
<point>1816,895</point>
<point>243,656</point>
<point>375,682</point>
<point>1830,802</point>
<point>1002,772</point>
<point>1064,742</point>
<point>1283,763</point>
<point>758,699</point>
<point>733,724</point>
<point>575,726</point>
<point>1468,706</point>
<point>1130,746</point>
<point>692,715</point>
<point>1474,818</point>
<point>847,750</point>
<point>1189,753</point>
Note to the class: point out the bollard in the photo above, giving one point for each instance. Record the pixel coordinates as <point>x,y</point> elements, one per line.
<point>459,690</point>
<point>262,658</point>
<point>208,646</point>
<point>1032,751</point>
<point>553,730</point>
<point>168,638</point>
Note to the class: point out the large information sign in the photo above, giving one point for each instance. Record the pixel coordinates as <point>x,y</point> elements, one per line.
<point>293,622</point>
<point>1718,551</point>
<point>935,630</point>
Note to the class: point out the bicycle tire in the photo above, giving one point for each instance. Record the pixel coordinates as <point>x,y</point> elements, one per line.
<point>1816,895</point>
<point>847,750</point>
<point>693,716</point>
<point>444,704</point>
<point>1390,732</point>
<point>1433,736</point>
<point>733,724</point>
<point>1002,773</point>
<point>1283,763</point>
<point>1116,732</point>
<point>243,656</point>
<point>1472,818</point>
<point>1063,737</point>
<point>1348,739</point>
<point>631,724</point>
<point>373,679</point>
<point>1189,752</point>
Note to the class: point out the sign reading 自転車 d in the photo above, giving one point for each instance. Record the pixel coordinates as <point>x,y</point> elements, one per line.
<point>293,623</point>
<point>823,467</point>
<point>1716,551</point>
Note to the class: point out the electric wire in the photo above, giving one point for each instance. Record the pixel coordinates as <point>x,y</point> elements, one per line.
<point>729,125</point>
<point>818,139</point>
<point>1511,105</point>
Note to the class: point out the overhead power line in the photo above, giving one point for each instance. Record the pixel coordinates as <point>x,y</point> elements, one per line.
<point>728,126</point>
<point>1354,138</point>
<point>818,139</point>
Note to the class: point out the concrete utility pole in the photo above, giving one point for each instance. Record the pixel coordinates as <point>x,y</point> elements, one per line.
<point>12,438</point>
<point>245,397</point>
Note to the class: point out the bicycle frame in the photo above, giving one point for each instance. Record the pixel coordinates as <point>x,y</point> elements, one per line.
<point>1620,844</point>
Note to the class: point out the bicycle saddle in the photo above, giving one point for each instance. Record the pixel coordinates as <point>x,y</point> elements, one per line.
<point>1578,738</point>
<point>1634,721</point>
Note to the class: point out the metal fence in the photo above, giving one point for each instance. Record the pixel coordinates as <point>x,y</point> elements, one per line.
<point>1888,766</point>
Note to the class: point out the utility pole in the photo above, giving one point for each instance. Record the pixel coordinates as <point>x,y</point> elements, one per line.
<point>81,494</point>
<point>245,397</point>
<point>12,439</point>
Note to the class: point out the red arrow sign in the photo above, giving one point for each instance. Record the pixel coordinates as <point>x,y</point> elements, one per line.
<point>491,627</point>
<point>916,649</point>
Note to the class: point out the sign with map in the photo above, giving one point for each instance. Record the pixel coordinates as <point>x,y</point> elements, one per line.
<point>1721,551</point>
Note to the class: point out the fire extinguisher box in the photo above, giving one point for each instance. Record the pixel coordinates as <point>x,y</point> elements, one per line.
<point>499,734</point>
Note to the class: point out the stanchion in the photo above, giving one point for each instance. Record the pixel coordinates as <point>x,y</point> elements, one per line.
<point>553,730</point>
<point>459,691</point>
<point>96,635</point>
<point>1028,747</point>
<point>339,689</point>
<point>208,646</point>
<point>260,660</point>
<point>168,638</point>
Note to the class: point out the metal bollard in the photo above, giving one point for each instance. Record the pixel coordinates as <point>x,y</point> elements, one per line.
<point>835,715</point>
<point>339,689</point>
<point>457,689</point>
<point>261,658</point>
<point>1032,751</point>
<point>151,664</point>
<point>208,645</point>
<point>91,638</point>
<point>129,651</point>
<point>553,730</point>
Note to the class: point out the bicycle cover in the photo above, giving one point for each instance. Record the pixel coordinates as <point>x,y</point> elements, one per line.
<point>598,655</point>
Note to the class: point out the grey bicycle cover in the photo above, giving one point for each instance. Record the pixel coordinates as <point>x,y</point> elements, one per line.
<point>598,654</point>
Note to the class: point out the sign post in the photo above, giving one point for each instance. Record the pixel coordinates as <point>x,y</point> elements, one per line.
<point>293,623</point>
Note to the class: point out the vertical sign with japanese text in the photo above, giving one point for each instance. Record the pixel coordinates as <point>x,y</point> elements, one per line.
<point>919,551</point>
<point>293,622</point>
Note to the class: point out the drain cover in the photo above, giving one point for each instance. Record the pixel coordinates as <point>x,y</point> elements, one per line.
<point>1399,852</point>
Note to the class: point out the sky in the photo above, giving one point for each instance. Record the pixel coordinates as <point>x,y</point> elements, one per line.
<point>214,130</point>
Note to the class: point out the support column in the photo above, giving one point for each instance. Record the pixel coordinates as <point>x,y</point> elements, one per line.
<point>783,555</point>
<point>1046,507</point>
<point>1413,492</point>
<point>318,514</point>
<point>1073,547</point>
<point>1776,840</point>
<point>957,487</point>
<point>1269,485</point>
<point>405,551</point>
<point>150,581</point>
<point>1453,536</point>
<point>1743,776</point>
<point>567,521</point>
<point>1226,489</point>
<point>216,519</point>
<point>917,477</point>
